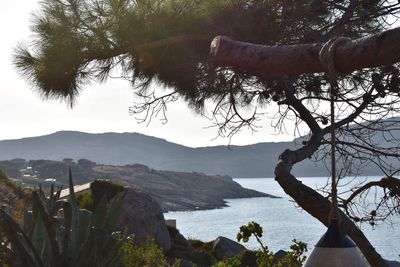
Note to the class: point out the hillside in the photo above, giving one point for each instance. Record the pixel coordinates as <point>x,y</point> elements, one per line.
<point>256,160</point>
<point>172,190</point>
<point>128,148</point>
<point>10,195</point>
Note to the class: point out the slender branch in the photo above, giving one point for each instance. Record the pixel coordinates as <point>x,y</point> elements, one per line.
<point>386,182</point>
<point>304,113</point>
<point>371,149</point>
<point>367,100</point>
<point>340,23</point>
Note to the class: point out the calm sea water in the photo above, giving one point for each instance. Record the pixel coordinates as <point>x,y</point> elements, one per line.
<point>281,220</point>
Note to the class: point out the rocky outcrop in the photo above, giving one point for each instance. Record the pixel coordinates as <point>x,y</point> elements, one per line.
<point>174,191</point>
<point>188,253</point>
<point>143,217</point>
<point>226,248</point>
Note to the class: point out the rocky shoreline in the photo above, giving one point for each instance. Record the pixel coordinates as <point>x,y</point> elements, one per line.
<point>180,191</point>
<point>173,191</point>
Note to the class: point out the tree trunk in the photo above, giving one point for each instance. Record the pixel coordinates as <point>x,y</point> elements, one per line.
<point>372,51</point>
<point>317,205</point>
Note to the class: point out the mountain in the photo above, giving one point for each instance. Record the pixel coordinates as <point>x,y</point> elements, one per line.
<point>256,160</point>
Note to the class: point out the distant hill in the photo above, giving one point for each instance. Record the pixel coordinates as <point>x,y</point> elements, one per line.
<point>256,160</point>
<point>172,190</point>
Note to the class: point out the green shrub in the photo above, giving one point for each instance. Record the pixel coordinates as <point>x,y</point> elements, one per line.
<point>198,244</point>
<point>5,178</point>
<point>3,175</point>
<point>107,188</point>
<point>248,258</point>
<point>264,258</point>
<point>150,255</point>
<point>85,200</point>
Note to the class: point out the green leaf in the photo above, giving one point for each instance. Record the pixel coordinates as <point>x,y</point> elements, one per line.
<point>40,239</point>
<point>20,243</point>
<point>67,231</point>
<point>50,229</point>
<point>114,211</point>
<point>28,221</point>
<point>74,214</point>
<point>99,216</point>
<point>85,218</point>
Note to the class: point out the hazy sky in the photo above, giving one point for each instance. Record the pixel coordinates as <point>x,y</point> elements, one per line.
<point>100,108</point>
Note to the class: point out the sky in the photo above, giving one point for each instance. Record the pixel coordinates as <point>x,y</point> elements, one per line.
<point>100,107</point>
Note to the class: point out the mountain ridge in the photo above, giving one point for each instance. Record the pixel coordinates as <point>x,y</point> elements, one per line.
<point>255,160</point>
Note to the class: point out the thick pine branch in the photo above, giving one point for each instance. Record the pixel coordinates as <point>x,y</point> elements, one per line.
<point>372,51</point>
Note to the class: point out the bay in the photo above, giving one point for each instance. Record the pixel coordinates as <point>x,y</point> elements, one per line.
<point>281,219</point>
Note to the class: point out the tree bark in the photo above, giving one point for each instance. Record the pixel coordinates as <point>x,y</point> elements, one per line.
<point>317,205</point>
<point>372,51</point>
<point>307,198</point>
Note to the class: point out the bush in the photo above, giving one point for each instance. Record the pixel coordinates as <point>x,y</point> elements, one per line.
<point>85,200</point>
<point>3,175</point>
<point>264,258</point>
<point>198,244</point>
<point>107,188</point>
<point>150,255</point>
<point>6,179</point>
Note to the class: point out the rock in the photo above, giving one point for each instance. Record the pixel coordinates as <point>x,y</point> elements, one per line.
<point>180,247</point>
<point>189,255</point>
<point>393,263</point>
<point>280,254</point>
<point>142,216</point>
<point>248,258</point>
<point>226,248</point>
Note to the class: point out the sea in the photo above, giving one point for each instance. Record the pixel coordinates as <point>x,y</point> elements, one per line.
<point>281,220</point>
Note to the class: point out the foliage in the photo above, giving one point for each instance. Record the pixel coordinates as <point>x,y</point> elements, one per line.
<point>198,244</point>
<point>167,42</point>
<point>99,188</point>
<point>58,233</point>
<point>265,258</point>
<point>5,179</point>
<point>3,175</point>
<point>85,200</point>
<point>246,231</point>
<point>104,188</point>
<point>114,34</point>
<point>138,256</point>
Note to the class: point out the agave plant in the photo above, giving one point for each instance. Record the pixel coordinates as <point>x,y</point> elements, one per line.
<point>57,233</point>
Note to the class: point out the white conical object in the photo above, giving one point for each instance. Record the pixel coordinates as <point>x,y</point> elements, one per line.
<point>335,249</point>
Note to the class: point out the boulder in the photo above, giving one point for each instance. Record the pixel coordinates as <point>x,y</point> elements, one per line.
<point>189,255</point>
<point>393,263</point>
<point>280,254</point>
<point>226,248</point>
<point>142,216</point>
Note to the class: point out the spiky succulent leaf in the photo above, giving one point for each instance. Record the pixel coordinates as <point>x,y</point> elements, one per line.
<point>99,217</point>
<point>21,244</point>
<point>48,222</point>
<point>114,211</point>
